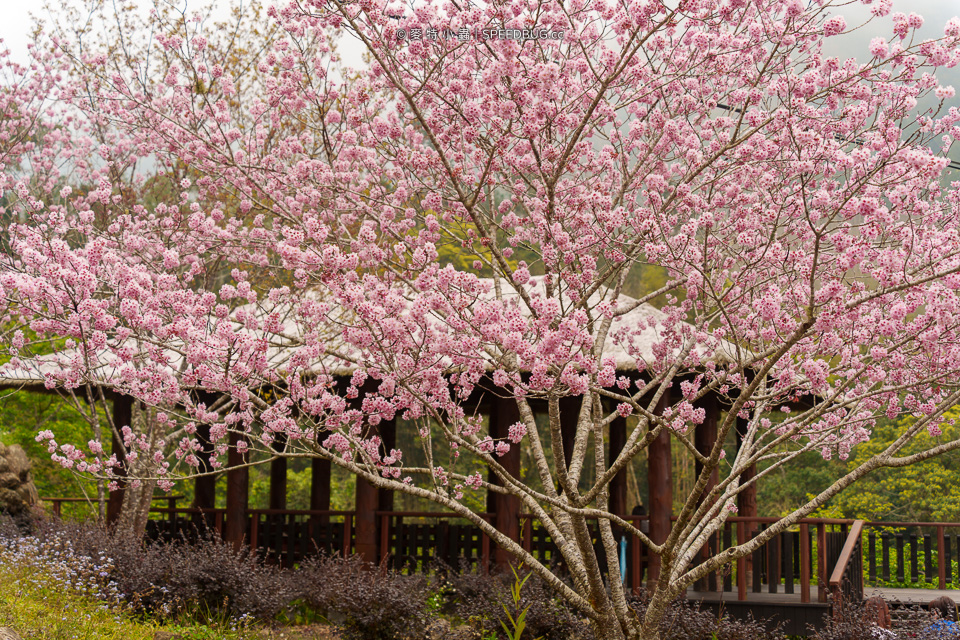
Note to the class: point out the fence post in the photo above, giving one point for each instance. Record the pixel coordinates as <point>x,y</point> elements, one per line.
<point>741,562</point>
<point>822,585</point>
<point>635,567</point>
<point>804,562</point>
<point>347,533</point>
<point>941,561</point>
<point>384,538</point>
<point>485,551</point>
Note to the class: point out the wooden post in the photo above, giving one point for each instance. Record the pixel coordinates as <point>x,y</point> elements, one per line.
<point>384,538</point>
<point>941,561</point>
<point>278,476</point>
<point>365,527</point>
<point>205,487</point>
<point>822,579</point>
<point>122,416</point>
<point>704,439</point>
<point>506,509</point>
<point>747,499</point>
<point>569,416</point>
<point>347,534</point>
<point>635,568</point>
<point>238,493</point>
<point>618,486</point>
<point>388,438</point>
<point>254,532</point>
<point>660,482</point>
<point>804,563</point>
<point>369,499</point>
<point>320,487</point>
<point>741,562</point>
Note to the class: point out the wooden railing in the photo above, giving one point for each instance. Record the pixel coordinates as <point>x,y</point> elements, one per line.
<point>414,540</point>
<point>57,502</point>
<point>829,554</point>
<point>937,543</point>
<point>846,581</point>
<point>287,536</point>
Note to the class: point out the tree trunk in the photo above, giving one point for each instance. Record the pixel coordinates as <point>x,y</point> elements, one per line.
<point>608,628</point>
<point>137,496</point>
<point>136,509</point>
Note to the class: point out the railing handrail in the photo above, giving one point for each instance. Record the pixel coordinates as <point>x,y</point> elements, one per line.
<point>94,499</point>
<point>846,553</point>
<point>300,512</point>
<point>435,514</point>
<point>260,512</point>
<point>522,516</point>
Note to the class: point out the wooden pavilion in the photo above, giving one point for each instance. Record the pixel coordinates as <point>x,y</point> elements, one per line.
<point>504,511</point>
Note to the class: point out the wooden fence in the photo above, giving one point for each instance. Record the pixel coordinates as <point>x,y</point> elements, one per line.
<point>815,556</point>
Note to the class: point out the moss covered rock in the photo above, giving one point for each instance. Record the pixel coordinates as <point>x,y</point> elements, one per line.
<point>18,494</point>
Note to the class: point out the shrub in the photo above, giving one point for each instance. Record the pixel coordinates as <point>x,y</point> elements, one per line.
<point>853,623</point>
<point>370,602</point>
<point>206,578</point>
<point>685,621</point>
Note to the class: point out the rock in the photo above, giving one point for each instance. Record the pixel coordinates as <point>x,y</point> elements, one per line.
<point>441,629</point>
<point>6,633</point>
<point>163,635</point>
<point>18,494</point>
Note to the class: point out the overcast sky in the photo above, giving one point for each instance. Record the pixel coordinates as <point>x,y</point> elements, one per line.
<point>15,26</point>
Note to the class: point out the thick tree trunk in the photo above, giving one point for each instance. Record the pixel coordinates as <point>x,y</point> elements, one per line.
<point>135,511</point>
<point>609,628</point>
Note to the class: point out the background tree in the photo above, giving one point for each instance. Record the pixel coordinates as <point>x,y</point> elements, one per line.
<point>924,492</point>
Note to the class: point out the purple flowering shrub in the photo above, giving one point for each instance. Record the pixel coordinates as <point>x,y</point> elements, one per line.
<point>370,603</point>
<point>164,580</point>
<point>853,622</point>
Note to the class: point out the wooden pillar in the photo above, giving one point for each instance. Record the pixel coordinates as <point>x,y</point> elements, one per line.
<point>506,509</point>
<point>660,482</point>
<point>320,485</point>
<point>747,499</point>
<point>618,486</point>
<point>278,477</point>
<point>238,493</point>
<point>365,520</point>
<point>388,437</point>
<point>705,436</point>
<point>122,416</point>
<point>704,439</point>
<point>569,416</point>
<point>205,487</point>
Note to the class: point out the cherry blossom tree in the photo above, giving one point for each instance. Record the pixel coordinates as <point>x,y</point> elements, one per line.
<point>795,200</point>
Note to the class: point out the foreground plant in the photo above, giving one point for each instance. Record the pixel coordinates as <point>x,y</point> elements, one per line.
<point>462,219</point>
<point>517,625</point>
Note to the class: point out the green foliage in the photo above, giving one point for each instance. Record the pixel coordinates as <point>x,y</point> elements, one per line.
<point>22,415</point>
<point>789,486</point>
<point>927,491</point>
